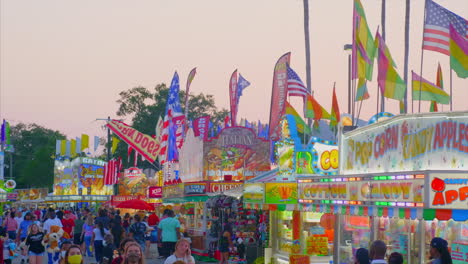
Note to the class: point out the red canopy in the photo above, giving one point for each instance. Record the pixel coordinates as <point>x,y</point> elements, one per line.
<point>136,204</point>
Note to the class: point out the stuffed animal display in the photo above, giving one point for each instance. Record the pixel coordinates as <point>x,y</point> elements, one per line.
<point>51,240</point>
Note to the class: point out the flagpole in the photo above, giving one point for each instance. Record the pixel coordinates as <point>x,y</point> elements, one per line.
<point>378,95</point>
<point>382,104</point>
<point>451,105</point>
<point>422,61</point>
<point>407,22</point>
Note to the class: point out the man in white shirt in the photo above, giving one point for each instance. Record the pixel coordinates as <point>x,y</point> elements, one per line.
<point>53,220</point>
<point>377,252</point>
<point>19,218</point>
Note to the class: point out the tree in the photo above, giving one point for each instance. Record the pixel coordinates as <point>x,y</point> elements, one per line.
<point>33,165</point>
<point>145,107</point>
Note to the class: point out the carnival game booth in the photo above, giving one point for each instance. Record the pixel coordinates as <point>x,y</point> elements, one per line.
<point>403,180</point>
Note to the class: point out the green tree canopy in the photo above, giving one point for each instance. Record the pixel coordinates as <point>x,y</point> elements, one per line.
<point>33,164</point>
<point>145,107</point>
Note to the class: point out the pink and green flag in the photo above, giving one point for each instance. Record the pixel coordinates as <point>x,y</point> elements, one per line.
<point>390,83</point>
<point>424,90</point>
<point>458,53</point>
<point>361,92</point>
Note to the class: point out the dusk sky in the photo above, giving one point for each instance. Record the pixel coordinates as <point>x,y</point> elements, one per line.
<point>63,63</point>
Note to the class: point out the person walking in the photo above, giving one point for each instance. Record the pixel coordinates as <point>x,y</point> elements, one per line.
<point>73,255</point>
<point>117,232</point>
<point>78,232</point>
<point>169,233</point>
<point>377,252</point>
<point>362,256</point>
<point>11,226</point>
<point>87,233</point>
<point>121,250</point>
<point>68,224</point>
<point>22,234</point>
<point>133,254</point>
<point>182,253</point>
<point>34,242</point>
<point>225,242</point>
<point>439,251</point>
<point>137,231</point>
<point>98,238</point>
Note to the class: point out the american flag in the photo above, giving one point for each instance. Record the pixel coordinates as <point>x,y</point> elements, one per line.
<point>112,170</point>
<point>436,27</point>
<point>173,109</point>
<point>295,86</point>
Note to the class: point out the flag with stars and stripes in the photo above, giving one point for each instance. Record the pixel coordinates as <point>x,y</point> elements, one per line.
<point>295,86</point>
<point>172,120</point>
<point>437,27</point>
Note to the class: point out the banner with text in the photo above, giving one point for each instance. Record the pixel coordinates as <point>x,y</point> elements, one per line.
<point>144,144</point>
<point>279,94</point>
<point>432,141</point>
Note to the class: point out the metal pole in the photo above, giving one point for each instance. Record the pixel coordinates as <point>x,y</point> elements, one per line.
<point>382,104</point>
<point>108,141</point>
<point>451,105</point>
<point>422,61</point>
<point>407,22</point>
<point>11,165</point>
<point>350,99</point>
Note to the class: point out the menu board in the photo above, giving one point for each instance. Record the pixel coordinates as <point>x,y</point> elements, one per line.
<point>317,246</point>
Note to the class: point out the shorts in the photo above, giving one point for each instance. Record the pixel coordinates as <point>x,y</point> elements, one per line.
<point>30,253</point>
<point>12,235</point>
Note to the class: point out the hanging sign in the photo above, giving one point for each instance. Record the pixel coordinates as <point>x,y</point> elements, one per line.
<point>428,141</point>
<point>173,191</point>
<point>219,187</point>
<point>195,188</point>
<point>448,190</point>
<point>155,192</point>
<point>144,144</point>
<point>397,188</point>
<point>254,192</point>
<point>281,193</point>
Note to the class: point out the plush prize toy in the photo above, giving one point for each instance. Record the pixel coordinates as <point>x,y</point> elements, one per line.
<point>51,240</point>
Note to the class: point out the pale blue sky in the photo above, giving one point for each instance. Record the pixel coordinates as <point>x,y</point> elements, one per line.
<point>63,63</point>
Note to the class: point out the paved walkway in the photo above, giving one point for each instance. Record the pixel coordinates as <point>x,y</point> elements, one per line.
<point>153,259</point>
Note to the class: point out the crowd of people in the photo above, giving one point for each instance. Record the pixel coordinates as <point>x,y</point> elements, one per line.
<point>439,253</point>
<point>105,235</point>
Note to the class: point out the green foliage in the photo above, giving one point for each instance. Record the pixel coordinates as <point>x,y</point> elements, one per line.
<point>33,165</point>
<point>145,107</point>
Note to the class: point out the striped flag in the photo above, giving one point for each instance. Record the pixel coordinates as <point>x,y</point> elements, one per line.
<point>295,86</point>
<point>173,109</point>
<point>437,27</point>
<point>112,170</point>
<point>458,53</point>
<point>390,82</point>
<point>426,91</point>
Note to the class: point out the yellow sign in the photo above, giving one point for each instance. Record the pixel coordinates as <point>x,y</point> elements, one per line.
<point>317,246</point>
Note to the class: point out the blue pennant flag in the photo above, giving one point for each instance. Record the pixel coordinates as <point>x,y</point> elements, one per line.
<point>241,85</point>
